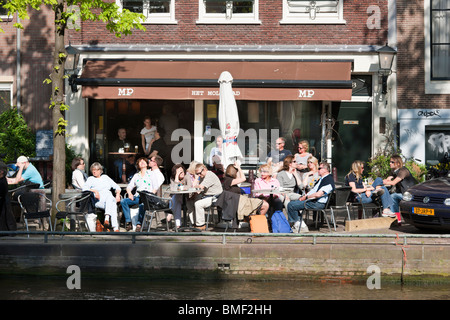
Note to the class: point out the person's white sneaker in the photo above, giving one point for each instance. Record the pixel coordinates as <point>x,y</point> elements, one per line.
<point>296,227</point>
<point>304,228</point>
<point>388,213</point>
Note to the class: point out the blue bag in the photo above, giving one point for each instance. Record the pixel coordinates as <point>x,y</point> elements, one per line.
<point>280,223</point>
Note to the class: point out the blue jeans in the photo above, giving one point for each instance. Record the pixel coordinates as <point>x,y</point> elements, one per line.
<point>397,197</point>
<point>296,205</point>
<point>386,198</point>
<point>126,204</point>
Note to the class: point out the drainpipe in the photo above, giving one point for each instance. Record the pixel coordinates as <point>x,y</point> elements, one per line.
<point>18,63</point>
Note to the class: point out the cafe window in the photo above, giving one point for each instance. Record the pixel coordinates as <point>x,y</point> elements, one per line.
<point>313,12</point>
<point>228,11</point>
<point>262,122</point>
<point>158,12</point>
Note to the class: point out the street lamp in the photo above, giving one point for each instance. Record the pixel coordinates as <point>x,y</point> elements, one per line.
<point>386,57</point>
<point>73,55</point>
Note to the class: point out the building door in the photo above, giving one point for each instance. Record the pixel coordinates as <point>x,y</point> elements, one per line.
<point>352,135</point>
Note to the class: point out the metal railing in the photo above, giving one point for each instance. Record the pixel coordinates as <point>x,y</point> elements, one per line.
<point>134,236</point>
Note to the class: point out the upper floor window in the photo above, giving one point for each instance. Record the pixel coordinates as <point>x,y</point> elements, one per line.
<point>313,12</point>
<point>5,96</point>
<point>440,40</point>
<point>437,46</point>
<point>159,12</point>
<point>3,11</point>
<point>228,11</point>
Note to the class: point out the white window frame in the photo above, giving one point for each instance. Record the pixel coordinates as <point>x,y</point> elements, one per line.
<point>296,12</point>
<point>431,86</point>
<point>6,85</point>
<point>156,18</point>
<point>218,18</point>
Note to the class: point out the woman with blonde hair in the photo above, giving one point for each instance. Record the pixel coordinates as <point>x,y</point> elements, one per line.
<point>363,193</point>
<point>312,176</point>
<point>302,156</point>
<point>267,181</point>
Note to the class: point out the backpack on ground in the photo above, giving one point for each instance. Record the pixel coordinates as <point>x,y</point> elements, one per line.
<point>280,223</point>
<point>258,224</point>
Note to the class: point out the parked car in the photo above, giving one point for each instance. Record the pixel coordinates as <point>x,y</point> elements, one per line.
<point>427,204</point>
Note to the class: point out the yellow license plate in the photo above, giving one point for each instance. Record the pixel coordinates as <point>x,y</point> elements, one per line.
<point>423,211</point>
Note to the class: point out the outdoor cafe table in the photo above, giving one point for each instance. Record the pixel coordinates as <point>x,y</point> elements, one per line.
<point>183,192</point>
<point>123,155</point>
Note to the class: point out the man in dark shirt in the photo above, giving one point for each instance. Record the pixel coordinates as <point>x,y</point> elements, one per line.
<point>320,193</point>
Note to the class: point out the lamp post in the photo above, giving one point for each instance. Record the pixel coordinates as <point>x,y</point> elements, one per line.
<point>73,55</point>
<point>385,57</point>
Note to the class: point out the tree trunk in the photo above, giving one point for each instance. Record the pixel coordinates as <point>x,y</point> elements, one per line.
<point>57,77</point>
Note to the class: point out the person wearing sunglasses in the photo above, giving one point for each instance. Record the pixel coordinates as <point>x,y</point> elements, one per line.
<point>210,187</point>
<point>317,198</point>
<point>302,156</point>
<point>277,156</point>
<point>401,180</point>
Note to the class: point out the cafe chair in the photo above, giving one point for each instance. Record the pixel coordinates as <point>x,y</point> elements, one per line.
<point>152,206</point>
<point>35,205</point>
<point>77,207</point>
<point>374,206</point>
<point>321,212</point>
<point>341,202</point>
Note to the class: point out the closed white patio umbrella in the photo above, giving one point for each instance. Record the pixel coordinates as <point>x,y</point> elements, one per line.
<point>228,121</point>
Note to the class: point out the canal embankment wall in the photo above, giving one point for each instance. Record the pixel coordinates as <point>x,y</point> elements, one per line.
<point>242,256</point>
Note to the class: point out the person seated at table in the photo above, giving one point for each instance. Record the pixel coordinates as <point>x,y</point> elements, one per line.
<point>312,175</point>
<point>79,175</point>
<point>289,178</point>
<point>401,179</point>
<point>232,178</point>
<point>209,187</point>
<point>177,179</point>
<point>216,152</point>
<point>140,182</point>
<point>364,193</point>
<point>267,182</point>
<point>100,185</point>
<point>27,173</point>
<point>302,156</point>
<point>130,166</point>
<point>156,180</point>
<point>118,144</point>
<point>319,193</point>
<point>277,156</point>
<point>190,180</point>
<point>156,176</point>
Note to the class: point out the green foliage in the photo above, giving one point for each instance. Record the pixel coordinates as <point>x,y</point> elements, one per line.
<point>16,138</point>
<point>379,166</point>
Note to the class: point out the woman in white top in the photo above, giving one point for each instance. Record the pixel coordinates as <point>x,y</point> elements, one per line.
<point>147,135</point>
<point>142,182</point>
<point>79,175</point>
<point>100,184</point>
<point>216,153</point>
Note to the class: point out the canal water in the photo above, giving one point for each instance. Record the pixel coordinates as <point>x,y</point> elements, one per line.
<point>42,288</point>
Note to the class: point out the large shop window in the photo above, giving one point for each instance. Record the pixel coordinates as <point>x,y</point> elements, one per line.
<point>158,12</point>
<point>437,141</point>
<point>262,122</point>
<point>107,116</point>
<point>440,40</point>
<point>228,11</point>
<point>313,12</point>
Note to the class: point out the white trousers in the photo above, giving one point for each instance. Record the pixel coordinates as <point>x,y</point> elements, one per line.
<point>200,206</point>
